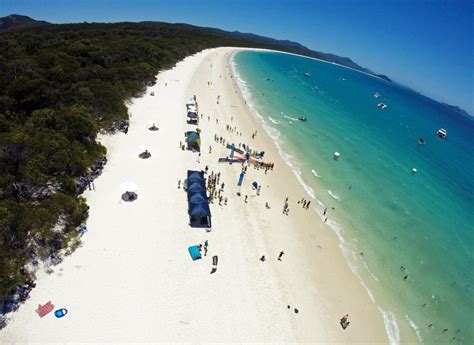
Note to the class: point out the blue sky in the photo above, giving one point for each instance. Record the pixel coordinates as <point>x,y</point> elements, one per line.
<point>426,45</point>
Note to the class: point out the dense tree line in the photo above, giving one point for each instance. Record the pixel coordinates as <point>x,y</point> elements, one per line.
<point>59,86</point>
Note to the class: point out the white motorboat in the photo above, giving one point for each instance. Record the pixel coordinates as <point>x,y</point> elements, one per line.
<point>442,133</point>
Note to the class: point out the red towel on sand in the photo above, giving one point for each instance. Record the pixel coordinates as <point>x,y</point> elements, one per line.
<point>45,309</point>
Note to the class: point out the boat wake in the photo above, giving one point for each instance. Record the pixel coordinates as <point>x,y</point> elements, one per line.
<point>334,195</point>
<point>272,120</point>
<point>290,118</point>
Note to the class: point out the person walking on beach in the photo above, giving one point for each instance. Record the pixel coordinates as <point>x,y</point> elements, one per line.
<point>285,208</point>
<point>281,254</point>
<point>225,201</point>
<point>199,156</point>
<point>344,321</point>
<point>262,259</point>
<point>206,244</point>
<point>246,196</point>
<point>307,205</point>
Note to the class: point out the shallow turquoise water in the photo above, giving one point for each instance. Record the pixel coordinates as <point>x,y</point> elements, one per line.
<point>423,222</point>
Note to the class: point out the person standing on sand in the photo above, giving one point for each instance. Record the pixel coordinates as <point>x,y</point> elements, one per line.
<point>281,254</point>
<point>199,156</point>
<point>307,205</point>
<point>246,196</point>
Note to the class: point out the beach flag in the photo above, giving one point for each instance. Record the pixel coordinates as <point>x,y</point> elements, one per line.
<point>241,178</point>
<point>232,148</point>
<point>45,309</point>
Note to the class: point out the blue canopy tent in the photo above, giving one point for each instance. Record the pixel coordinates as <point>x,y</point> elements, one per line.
<point>198,204</point>
<point>199,215</point>
<point>193,140</point>
<point>197,197</point>
<point>196,186</point>
<point>192,117</point>
<point>195,175</point>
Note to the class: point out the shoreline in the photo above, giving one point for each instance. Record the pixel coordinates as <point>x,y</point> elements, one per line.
<point>268,142</point>
<point>399,328</point>
<point>132,279</point>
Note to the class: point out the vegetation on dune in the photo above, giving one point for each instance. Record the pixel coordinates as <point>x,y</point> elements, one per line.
<point>59,86</point>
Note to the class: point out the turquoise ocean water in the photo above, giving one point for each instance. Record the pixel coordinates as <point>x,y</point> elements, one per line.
<point>391,222</point>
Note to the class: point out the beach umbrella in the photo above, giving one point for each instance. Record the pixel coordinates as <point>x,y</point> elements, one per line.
<point>129,196</point>
<point>128,187</point>
<point>152,125</point>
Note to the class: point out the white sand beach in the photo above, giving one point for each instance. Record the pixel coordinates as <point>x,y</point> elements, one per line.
<point>133,279</point>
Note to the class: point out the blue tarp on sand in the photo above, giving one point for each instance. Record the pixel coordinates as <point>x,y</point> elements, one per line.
<point>194,252</point>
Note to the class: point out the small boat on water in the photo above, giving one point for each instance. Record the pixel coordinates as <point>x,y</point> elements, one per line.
<point>382,105</point>
<point>307,74</point>
<point>442,133</point>
<point>421,141</point>
<point>376,95</point>
<point>302,118</point>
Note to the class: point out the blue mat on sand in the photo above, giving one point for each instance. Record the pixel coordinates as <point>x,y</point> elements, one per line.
<point>194,252</point>
<point>60,313</point>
